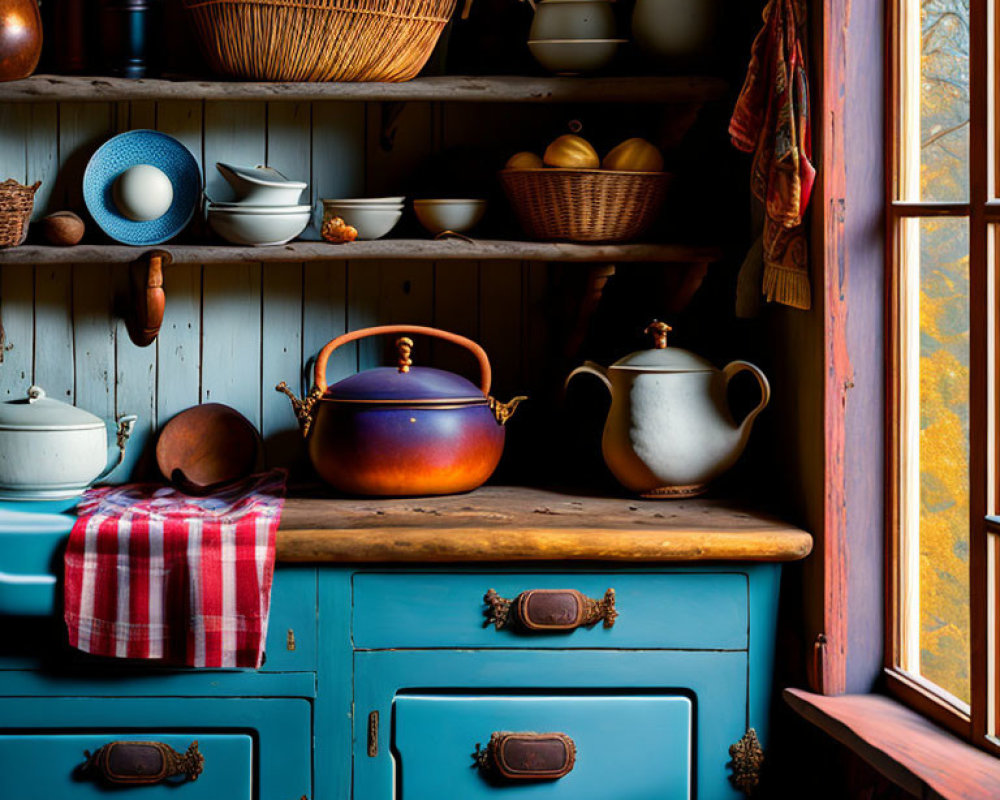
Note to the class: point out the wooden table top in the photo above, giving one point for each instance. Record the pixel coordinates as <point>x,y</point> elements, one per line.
<point>501,523</point>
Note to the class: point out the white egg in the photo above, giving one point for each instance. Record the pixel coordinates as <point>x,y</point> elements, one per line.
<point>143,193</point>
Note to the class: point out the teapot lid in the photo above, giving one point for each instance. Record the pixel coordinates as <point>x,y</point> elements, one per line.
<point>661,358</point>
<point>37,412</point>
<point>406,384</point>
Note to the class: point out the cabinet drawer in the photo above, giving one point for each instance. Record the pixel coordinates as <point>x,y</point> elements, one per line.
<point>630,746</point>
<point>43,767</point>
<point>695,611</point>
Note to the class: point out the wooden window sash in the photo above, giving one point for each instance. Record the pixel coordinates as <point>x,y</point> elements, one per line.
<point>983,213</point>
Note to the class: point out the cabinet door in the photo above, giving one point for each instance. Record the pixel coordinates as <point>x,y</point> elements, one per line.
<point>630,746</point>
<point>712,686</point>
<point>48,766</point>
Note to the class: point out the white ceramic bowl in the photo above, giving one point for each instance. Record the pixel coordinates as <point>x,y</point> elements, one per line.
<point>261,186</point>
<point>371,221</point>
<point>574,56</point>
<point>457,215</point>
<point>366,201</point>
<point>259,226</point>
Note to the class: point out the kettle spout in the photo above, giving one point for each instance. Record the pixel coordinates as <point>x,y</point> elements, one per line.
<point>504,411</point>
<point>303,408</point>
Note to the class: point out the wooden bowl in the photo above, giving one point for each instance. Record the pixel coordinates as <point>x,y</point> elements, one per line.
<point>207,446</point>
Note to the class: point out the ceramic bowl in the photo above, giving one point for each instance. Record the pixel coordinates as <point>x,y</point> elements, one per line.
<point>574,56</point>
<point>371,221</point>
<point>457,216</point>
<point>258,226</point>
<point>261,186</point>
<point>573,19</point>
<point>368,201</point>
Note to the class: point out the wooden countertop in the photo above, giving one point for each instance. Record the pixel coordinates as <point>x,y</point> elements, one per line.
<point>500,523</point>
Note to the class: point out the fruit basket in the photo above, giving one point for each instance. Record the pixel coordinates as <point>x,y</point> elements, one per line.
<point>16,204</point>
<point>319,40</point>
<point>585,205</point>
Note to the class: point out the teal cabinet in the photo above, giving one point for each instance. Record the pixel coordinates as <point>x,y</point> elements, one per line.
<point>629,746</point>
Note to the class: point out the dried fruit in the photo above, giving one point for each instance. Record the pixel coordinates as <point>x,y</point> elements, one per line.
<point>337,231</point>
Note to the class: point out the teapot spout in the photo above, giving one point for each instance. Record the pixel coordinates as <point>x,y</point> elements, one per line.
<point>504,411</point>
<point>303,408</point>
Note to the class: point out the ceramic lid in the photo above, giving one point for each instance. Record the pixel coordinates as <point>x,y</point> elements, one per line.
<point>389,385</point>
<point>662,358</point>
<point>258,176</point>
<point>37,412</point>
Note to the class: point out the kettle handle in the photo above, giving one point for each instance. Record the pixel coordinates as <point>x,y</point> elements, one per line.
<point>591,368</point>
<point>735,367</point>
<point>485,372</point>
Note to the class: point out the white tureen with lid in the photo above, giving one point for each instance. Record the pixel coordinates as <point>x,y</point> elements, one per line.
<point>51,450</point>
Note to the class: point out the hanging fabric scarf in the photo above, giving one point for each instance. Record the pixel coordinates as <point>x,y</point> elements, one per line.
<point>771,119</point>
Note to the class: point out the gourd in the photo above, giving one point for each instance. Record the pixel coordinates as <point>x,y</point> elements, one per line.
<point>571,152</point>
<point>634,155</point>
<point>524,161</point>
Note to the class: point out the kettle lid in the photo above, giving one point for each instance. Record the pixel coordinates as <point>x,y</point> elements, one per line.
<point>39,412</point>
<point>661,358</point>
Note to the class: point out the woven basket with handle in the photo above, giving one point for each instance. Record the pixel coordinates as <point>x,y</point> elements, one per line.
<point>585,205</point>
<point>319,40</point>
<point>16,204</point>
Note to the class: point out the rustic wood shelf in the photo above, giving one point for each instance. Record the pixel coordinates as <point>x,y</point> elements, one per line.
<point>399,249</point>
<point>490,89</point>
<point>500,523</point>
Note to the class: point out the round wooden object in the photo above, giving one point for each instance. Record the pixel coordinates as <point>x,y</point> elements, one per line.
<point>206,446</point>
<point>63,228</point>
<point>20,38</point>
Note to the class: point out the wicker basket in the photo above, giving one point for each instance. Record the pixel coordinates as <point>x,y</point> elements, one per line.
<point>16,205</point>
<point>585,205</point>
<point>319,40</point>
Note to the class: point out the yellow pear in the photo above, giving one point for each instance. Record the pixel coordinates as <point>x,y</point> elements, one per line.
<point>571,152</point>
<point>524,161</point>
<point>634,155</point>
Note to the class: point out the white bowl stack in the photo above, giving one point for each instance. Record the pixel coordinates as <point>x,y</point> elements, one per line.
<point>266,210</point>
<point>373,217</point>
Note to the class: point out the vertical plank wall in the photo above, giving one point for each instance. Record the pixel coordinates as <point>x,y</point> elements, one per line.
<point>232,331</point>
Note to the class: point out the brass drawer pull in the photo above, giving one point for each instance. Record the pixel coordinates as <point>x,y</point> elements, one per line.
<point>139,763</point>
<point>527,756</point>
<point>550,610</point>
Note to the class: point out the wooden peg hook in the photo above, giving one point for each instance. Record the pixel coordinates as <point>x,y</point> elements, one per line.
<point>148,299</point>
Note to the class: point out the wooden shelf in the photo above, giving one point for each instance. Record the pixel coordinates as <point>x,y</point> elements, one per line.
<point>500,523</point>
<point>399,249</point>
<point>491,89</point>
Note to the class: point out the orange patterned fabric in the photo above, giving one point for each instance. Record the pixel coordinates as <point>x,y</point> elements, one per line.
<point>771,119</point>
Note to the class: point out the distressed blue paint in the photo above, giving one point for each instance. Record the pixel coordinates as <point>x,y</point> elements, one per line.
<point>39,766</point>
<point>630,746</point>
<point>656,610</point>
<point>716,681</point>
<point>281,729</point>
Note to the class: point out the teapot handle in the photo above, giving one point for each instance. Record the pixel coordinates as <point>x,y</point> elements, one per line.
<point>735,367</point>
<point>485,372</point>
<point>592,368</point>
<point>123,430</point>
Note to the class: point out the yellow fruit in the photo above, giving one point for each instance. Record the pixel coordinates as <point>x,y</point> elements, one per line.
<point>634,155</point>
<point>571,152</point>
<point>524,161</point>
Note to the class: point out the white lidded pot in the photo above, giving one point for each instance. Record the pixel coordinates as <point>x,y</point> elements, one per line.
<point>670,431</point>
<point>51,450</point>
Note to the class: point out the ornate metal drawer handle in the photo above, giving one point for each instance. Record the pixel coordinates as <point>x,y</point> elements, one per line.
<point>526,756</point>
<point>138,763</point>
<point>550,610</point>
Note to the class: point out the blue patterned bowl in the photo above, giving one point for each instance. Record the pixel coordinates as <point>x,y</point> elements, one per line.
<point>127,150</point>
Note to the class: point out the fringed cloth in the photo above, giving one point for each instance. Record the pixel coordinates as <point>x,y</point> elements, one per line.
<point>771,119</point>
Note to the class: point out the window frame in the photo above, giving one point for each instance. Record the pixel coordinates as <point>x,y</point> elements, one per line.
<point>982,212</point>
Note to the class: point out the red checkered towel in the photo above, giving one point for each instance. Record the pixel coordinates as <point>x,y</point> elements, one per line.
<point>154,573</point>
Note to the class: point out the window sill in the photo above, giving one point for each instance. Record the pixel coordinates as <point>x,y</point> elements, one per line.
<point>905,747</point>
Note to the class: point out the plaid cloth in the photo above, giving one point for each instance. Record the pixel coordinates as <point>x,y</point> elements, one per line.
<point>771,119</point>
<point>154,573</point>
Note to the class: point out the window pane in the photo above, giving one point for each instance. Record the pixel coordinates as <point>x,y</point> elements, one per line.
<point>934,547</point>
<point>934,96</point>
